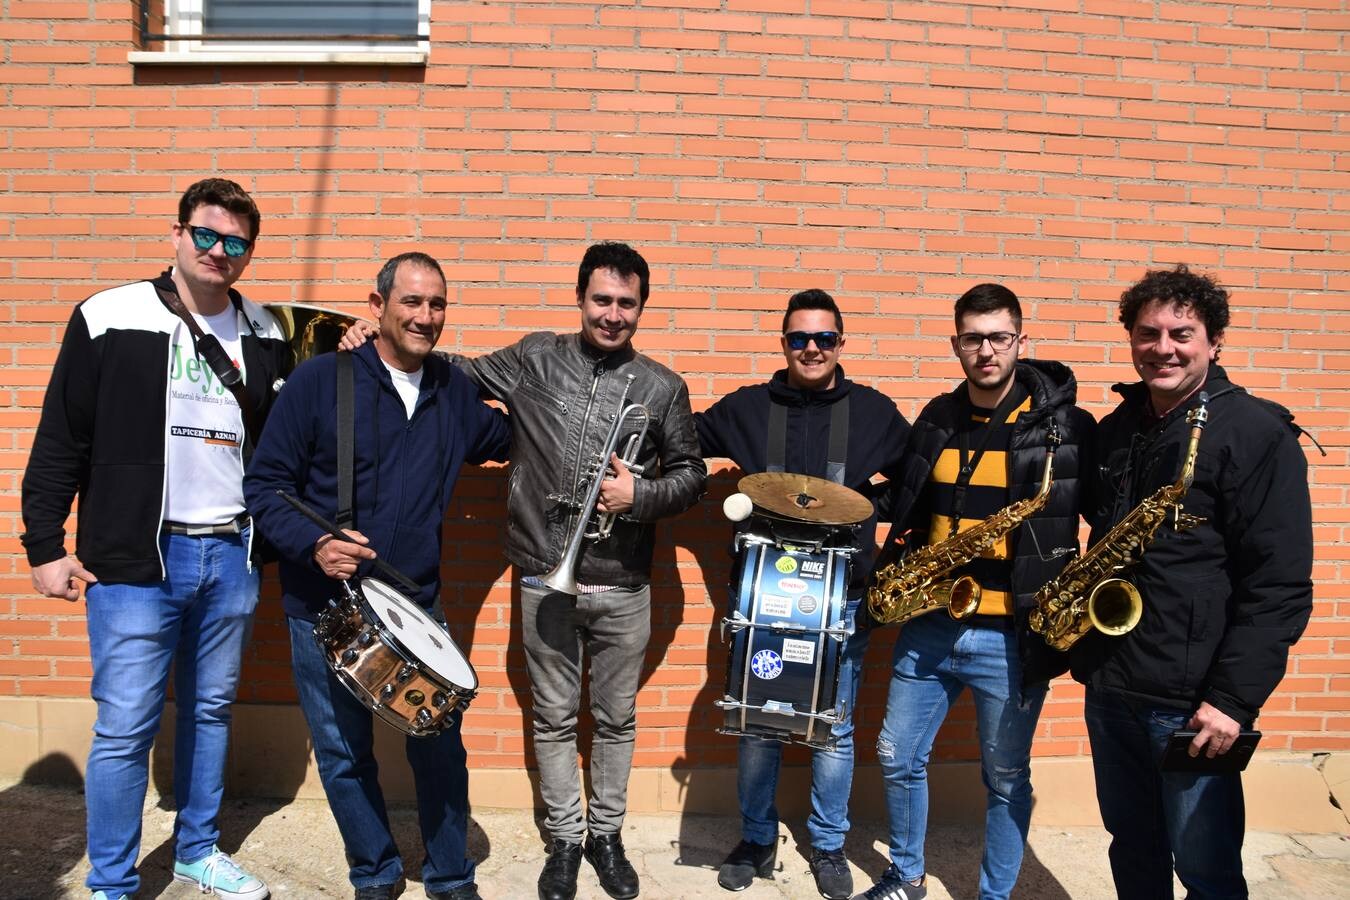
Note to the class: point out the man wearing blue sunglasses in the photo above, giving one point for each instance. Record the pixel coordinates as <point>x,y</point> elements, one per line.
<point>151,435</point>
<point>799,412</point>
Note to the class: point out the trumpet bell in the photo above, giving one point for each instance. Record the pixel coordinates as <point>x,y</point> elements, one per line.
<point>1114,606</point>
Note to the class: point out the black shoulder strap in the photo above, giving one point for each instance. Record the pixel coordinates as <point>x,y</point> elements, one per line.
<point>208,348</point>
<point>346,427</point>
<point>836,465</point>
<point>776,452</point>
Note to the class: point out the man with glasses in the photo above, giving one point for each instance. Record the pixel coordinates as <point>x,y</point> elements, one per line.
<point>791,424</point>
<point>153,439</point>
<point>971,453</point>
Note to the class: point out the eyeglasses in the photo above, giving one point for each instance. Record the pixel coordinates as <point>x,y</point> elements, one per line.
<point>825,340</point>
<point>998,340</point>
<point>204,239</point>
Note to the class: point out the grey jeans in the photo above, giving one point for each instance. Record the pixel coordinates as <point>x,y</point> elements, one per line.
<point>611,628</point>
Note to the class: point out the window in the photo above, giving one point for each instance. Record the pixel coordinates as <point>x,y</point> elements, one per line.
<point>307,31</point>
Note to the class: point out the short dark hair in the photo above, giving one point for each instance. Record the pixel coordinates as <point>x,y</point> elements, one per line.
<point>813,298</point>
<point>622,259</point>
<point>223,193</point>
<point>1181,288</point>
<point>384,282</point>
<point>987,298</point>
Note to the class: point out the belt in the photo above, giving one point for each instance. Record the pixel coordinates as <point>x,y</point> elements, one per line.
<point>234,526</point>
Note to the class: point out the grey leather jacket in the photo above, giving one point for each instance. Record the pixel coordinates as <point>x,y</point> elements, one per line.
<point>562,394</point>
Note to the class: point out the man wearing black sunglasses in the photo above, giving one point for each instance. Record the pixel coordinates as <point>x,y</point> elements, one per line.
<point>972,452</point>
<point>153,439</point>
<point>814,398</point>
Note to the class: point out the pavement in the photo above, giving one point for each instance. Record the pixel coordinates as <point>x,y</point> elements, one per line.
<point>294,846</point>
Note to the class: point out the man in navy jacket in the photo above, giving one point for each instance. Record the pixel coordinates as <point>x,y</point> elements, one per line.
<point>811,392</point>
<point>418,421</point>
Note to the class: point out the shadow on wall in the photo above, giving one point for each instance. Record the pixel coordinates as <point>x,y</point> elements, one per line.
<point>43,841</point>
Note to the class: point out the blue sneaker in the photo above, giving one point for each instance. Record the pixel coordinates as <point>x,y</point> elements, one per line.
<point>219,875</point>
<point>104,895</point>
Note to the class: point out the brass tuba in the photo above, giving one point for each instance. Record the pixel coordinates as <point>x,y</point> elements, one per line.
<point>1087,594</point>
<point>562,577</point>
<point>309,330</point>
<point>914,585</point>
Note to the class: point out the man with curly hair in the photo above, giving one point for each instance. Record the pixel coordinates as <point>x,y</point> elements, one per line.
<point>1223,600</point>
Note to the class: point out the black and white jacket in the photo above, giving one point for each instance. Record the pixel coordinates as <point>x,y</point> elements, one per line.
<point>103,431</point>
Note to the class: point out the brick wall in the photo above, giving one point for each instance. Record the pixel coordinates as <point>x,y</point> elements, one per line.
<point>891,153</point>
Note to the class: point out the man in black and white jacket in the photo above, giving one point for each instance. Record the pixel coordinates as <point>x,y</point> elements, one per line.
<point>141,427</point>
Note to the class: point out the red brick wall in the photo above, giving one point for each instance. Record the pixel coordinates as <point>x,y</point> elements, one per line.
<point>891,153</point>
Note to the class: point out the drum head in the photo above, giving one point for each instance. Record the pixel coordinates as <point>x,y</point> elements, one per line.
<point>419,633</point>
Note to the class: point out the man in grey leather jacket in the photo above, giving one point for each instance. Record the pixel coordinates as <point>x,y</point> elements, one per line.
<point>563,392</point>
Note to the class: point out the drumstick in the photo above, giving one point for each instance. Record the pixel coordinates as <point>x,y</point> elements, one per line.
<point>380,565</point>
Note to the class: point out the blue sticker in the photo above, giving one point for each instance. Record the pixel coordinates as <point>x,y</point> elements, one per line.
<point>766,665</point>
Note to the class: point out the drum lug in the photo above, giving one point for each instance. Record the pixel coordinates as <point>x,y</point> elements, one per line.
<point>438,699</point>
<point>422,719</point>
<point>406,672</point>
<point>386,692</point>
<point>365,637</point>
<point>735,622</point>
<point>349,656</point>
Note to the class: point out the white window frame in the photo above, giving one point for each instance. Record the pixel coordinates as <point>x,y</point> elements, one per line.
<point>184,17</point>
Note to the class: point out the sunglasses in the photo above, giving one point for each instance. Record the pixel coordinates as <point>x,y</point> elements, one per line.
<point>204,239</point>
<point>825,340</point>
<point>998,340</point>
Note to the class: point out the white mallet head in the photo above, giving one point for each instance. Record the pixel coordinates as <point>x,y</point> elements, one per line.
<point>738,507</point>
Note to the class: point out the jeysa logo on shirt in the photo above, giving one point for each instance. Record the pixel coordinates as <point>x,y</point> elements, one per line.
<point>187,368</point>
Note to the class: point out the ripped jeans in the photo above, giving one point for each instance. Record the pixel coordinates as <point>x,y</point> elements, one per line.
<point>936,657</point>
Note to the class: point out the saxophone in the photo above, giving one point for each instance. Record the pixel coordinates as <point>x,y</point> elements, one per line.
<point>1087,594</point>
<point>915,585</point>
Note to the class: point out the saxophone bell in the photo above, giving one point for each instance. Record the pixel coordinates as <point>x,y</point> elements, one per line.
<point>1114,606</point>
<point>960,597</point>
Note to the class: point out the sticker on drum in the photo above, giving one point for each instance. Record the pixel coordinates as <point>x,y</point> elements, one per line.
<point>799,651</point>
<point>419,633</point>
<point>766,665</point>
<point>773,605</point>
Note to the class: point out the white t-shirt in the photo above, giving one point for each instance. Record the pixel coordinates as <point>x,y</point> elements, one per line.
<point>408,384</point>
<point>205,484</point>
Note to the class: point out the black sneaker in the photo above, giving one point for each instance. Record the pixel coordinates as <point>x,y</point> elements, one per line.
<point>381,891</point>
<point>616,873</point>
<point>833,878</point>
<point>744,863</point>
<point>558,880</point>
<point>893,887</point>
<point>463,892</point>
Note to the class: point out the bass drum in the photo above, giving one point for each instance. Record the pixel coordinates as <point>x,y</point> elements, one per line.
<point>788,631</point>
<point>396,659</point>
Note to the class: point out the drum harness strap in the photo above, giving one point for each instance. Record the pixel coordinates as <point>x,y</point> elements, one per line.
<point>776,460</point>
<point>208,348</point>
<point>346,448</point>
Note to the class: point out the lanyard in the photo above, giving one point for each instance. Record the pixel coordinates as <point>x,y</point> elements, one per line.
<point>969,462</point>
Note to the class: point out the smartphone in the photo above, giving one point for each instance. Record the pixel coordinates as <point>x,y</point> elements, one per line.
<point>1177,757</point>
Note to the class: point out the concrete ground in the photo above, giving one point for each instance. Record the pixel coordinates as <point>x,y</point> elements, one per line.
<point>294,846</point>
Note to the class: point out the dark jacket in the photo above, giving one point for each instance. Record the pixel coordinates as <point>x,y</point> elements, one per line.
<point>737,428</point>
<point>405,469</point>
<point>562,394</point>
<point>102,432</point>
<point>1225,600</point>
<point>1044,543</point>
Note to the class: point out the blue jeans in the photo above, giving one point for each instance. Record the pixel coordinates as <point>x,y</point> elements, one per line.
<point>609,629</point>
<point>1156,818</point>
<point>831,770</point>
<point>197,621</point>
<point>937,657</point>
<point>342,731</point>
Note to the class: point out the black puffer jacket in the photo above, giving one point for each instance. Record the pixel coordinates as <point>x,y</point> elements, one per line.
<point>1043,544</point>
<point>1225,600</point>
<point>737,427</point>
<point>562,394</point>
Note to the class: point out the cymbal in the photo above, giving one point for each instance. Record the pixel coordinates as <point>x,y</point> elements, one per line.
<point>806,498</point>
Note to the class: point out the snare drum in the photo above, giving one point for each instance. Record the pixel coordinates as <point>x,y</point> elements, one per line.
<point>787,633</point>
<point>395,658</point>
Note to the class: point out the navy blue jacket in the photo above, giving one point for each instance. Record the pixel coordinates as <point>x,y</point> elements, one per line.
<point>737,428</point>
<point>405,469</point>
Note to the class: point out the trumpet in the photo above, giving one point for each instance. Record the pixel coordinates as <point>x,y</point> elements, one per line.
<point>562,578</point>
